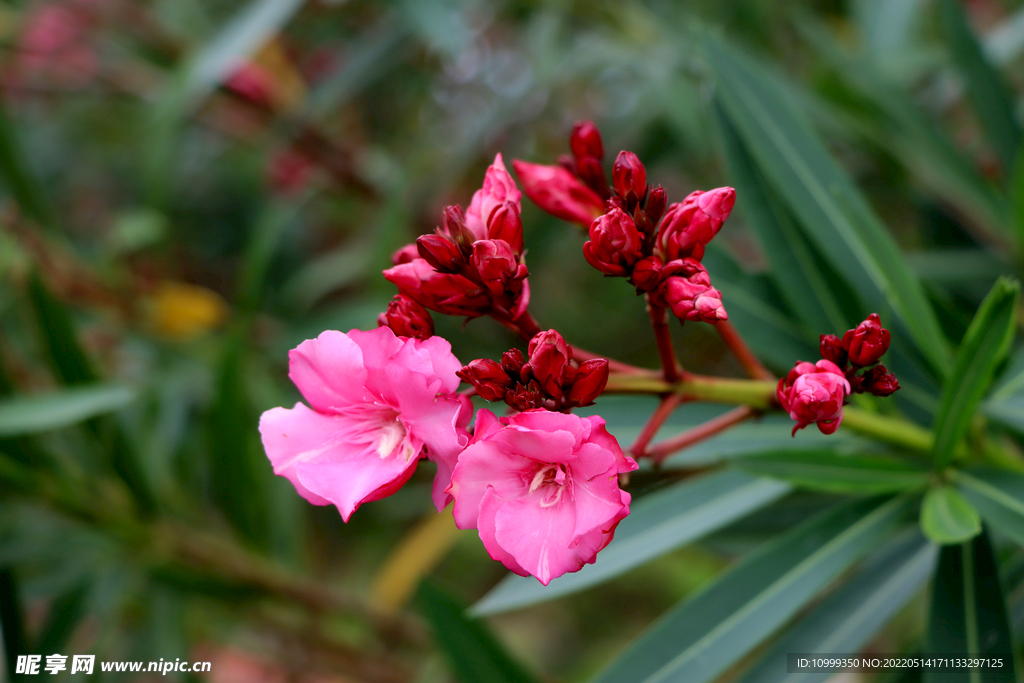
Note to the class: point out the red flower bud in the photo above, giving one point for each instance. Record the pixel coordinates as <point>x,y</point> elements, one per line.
<point>615,243</point>
<point>549,361</point>
<point>441,252</point>
<point>487,377</point>
<point>647,274</point>
<point>688,226</point>
<point>629,175</point>
<point>590,381</point>
<point>559,193</point>
<point>498,266</point>
<point>506,224</point>
<point>512,361</point>
<point>406,254</point>
<point>831,348</point>
<point>442,292</point>
<point>880,382</point>
<point>524,398</point>
<point>814,393</point>
<point>687,290</point>
<point>454,222</point>
<point>867,342</point>
<point>591,173</point>
<point>406,318</point>
<point>655,208</point>
<point>585,141</point>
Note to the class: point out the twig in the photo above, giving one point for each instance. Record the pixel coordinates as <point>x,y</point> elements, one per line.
<point>701,432</point>
<point>668,404</point>
<point>663,338</point>
<point>742,352</point>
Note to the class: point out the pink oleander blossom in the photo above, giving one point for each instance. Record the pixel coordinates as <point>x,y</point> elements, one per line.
<point>559,193</point>
<point>378,403</point>
<point>814,392</point>
<point>542,489</point>
<point>498,188</point>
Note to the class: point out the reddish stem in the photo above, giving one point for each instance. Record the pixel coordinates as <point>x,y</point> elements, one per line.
<point>668,404</point>
<point>742,352</point>
<point>663,337</point>
<point>701,432</point>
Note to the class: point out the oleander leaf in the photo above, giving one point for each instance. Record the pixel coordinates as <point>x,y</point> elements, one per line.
<point>826,470</point>
<point>42,413</point>
<point>947,517</point>
<point>999,496</point>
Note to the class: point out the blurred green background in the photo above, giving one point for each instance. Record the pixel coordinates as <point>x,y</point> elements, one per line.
<point>193,187</point>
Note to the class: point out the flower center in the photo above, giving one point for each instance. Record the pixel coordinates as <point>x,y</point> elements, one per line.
<point>550,480</point>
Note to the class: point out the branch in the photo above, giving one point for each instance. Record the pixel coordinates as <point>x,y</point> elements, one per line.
<point>742,352</point>
<point>663,337</point>
<point>701,432</point>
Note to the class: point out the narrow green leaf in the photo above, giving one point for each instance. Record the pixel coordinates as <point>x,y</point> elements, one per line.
<point>705,635</point>
<point>848,619</point>
<point>59,337</point>
<point>34,414</point>
<point>657,524</point>
<point>266,235</point>
<point>12,621</point>
<point>968,613</point>
<point>991,99</point>
<point>825,470</point>
<point>985,344</point>
<point>793,265</point>
<point>947,517</point>
<point>831,210</point>
<point>19,178</point>
<point>999,497</point>
<point>65,613</point>
<point>475,655</point>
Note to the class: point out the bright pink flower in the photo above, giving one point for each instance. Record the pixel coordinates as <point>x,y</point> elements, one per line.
<point>559,192</point>
<point>867,342</point>
<point>379,404</point>
<point>542,489</point>
<point>688,226</point>
<point>442,292</point>
<point>55,45</point>
<point>687,290</point>
<point>498,188</point>
<point>814,392</point>
<point>615,243</point>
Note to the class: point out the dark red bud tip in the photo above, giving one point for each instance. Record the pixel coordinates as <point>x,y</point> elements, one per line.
<point>585,141</point>
<point>656,203</point>
<point>880,382</point>
<point>441,253</point>
<point>647,274</point>
<point>487,377</point>
<point>506,224</point>
<point>831,348</point>
<point>629,175</point>
<point>512,362</point>
<point>406,318</point>
<point>591,379</point>
<point>549,361</point>
<point>454,221</point>
<point>867,342</point>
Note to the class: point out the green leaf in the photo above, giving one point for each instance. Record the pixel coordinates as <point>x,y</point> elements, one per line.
<point>986,342</point>
<point>34,414</point>
<point>12,621</point>
<point>705,635</point>
<point>65,613</point>
<point>831,211</point>
<point>999,497</point>
<point>260,248</point>
<point>475,656</point>
<point>825,470</point>
<point>848,619</point>
<point>793,264</point>
<point>658,523</point>
<point>968,613</point>
<point>992,101</point>
<point>947,517</point>
<point>21,181</point>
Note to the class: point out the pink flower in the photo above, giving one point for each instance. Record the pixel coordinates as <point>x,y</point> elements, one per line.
<point>379,403</point>
<point>814,392</point>
<point>498,188</point>
<point>687,290</point>
<point>689,225</point>
<point>446,293</point>
<point>559,192</point>
<point>542,488</point>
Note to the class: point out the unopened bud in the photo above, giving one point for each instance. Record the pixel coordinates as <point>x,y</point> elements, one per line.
<point>629,175</point>
<point>647,274</point>
<point>585,141</point>
<point>524,398</point>
<point>592,174</point>
<point>880,382</point>
<point>831,348</point>
<point>454,222</point>
<point>406,318</point>
<point>506,224</point>
<point>498,267</point>
<point>405,254</point>
<point>441,253</point>
<point>690,225</point>
<point>615,243</point>
<point>558,192</point>
<point>656,205</point>
<point>590,381</point>
<point>549,361</point>
<point>867,342</point>
<point>487,377</point>
<point>688,292</point>
<point>512,362</point>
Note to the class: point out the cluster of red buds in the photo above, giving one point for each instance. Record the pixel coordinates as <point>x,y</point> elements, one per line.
<point>633,232</point>
<point>471,266</point>
<point>549,378</point>
<point>817,392</point>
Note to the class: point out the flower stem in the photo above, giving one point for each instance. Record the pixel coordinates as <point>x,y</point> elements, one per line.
<point>756,394</point>
<point>701,432</point>
<point>743,354</point>
<point>663,337</point>
<point>654,423</point>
